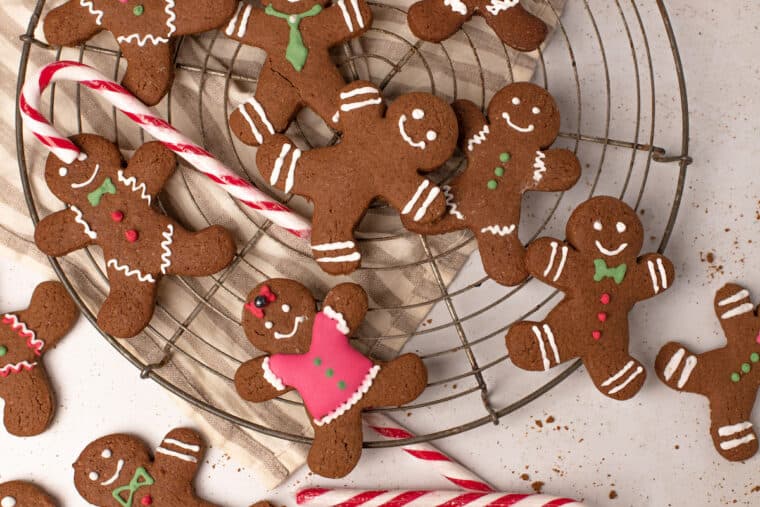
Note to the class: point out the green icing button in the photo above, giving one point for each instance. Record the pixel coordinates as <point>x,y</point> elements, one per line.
<point>139,10</point>
<point>317,361</point>
<point>504,157</point>
<point>735,377</point>
<point>499,171</point>
<point>341,385</point>
<point>755,357</point>
<point>329,372</point>
<point>746,367</point>
<point>492,184</point>
<point>3,350</point>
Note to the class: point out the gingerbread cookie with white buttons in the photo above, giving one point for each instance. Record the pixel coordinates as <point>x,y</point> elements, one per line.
<point>24,494</point>
<point>112,204</point>
<point>728,376</point>
<point>603,276</point>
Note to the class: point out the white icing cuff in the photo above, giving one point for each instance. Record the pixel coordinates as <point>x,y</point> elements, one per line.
<point>340,322</point>
<point>270,377</point>
<point>353,400</point>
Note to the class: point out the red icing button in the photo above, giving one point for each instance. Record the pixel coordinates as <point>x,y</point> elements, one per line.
<point>117,216</point>
<point>605,299</point>
<point>596,334</point>
<point>146,500</point>
<point>601,316</point>
<point>131,235</point>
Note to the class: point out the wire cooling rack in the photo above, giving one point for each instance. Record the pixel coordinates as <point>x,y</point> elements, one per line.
<point>616,73</point>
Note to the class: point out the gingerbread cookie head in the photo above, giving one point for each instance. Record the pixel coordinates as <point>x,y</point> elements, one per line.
<point>528,111</point>
<point>24,494</point>
<point>608,227</point>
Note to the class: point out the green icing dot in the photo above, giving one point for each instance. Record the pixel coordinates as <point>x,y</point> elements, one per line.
<point>746,367</point>
<point>139,10</point>
<point>3,350</point>
<point>341,385</point>
<point>329,372</point>
<point>735,377</point>
<point>504,157</point>
<point>499,171</point>
<point>317,361</point>
<point>492,184</point>
<point>755,357</point>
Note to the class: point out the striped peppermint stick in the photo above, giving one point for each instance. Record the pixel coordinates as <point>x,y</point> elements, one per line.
<point>452,471</point>
<point>63,148</point>
<point>322,497</point>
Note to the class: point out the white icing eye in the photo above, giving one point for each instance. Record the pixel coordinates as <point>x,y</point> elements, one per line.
<point>418,114</point>
<point>63,171</point>
<point>82,157</point>
<point>286,308</point>
<point>8,501</point>
<point>516,101</point>
<point>620,226</point>
<point>106,453</point>
<point>536,110</point>
<point>431,135</point>
<point>268,324</point>
<point>597,225</point>
<point>94,476</point>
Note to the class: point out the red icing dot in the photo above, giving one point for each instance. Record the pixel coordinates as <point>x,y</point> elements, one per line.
<point>596,334</point>
<point>601,316</point>
<point>146,500</point>
<point>605,299</point>
<point>117,216</point>
<point>131,235</point>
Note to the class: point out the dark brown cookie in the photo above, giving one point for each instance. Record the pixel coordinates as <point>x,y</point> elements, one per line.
<point>380,154</point>
<point>309,351</point>
<point>297,36</point>
<point>113,205</point>
<point>599,270</point>
<point>505,158</point>
<point>25,337</point>
<point>728,376</point>
<point>24,494</point>
<point>437,20</point>
<point>145,31</point>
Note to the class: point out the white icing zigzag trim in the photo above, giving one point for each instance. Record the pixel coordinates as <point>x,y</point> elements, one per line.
<point>113,263</point>
<point>80,220</point>
<point>166,260</point>
<point>131,183</point>
<point>450,202</point>
<point>154,39</point>
<point>353,400</point>
<point>340,322</point>
<point>87,4</point>
<point>270,377</point>
<point>539,165</point>
<point>497,6</point>
<point>499,230</point>
<point>478,138</point>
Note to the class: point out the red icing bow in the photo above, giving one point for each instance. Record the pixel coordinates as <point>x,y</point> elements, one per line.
<point>256,306</point>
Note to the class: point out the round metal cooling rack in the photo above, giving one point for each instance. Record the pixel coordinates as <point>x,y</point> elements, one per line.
<point>620,86</point>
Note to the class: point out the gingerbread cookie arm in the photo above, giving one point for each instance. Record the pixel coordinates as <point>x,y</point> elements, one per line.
<point>201,253</point>
<point>437,20</point>
<point>202,15</point>
<point>181,451</point>
<point>342,21</point>
<point>552,261</point>
<point>513,24</point>
<point>130,302</point>
<point>63,232</point>
<point>71,24</point>
<point>248,25</point>
<point>682,370</point>
<point>348,305</point>
<point>255,382</point>
<point>152,165</point>
<point>652,274</point>
<point>150,70</point>
<point>51,313</point>
<point>554,170</point>
<point>473,126</point>
<point>278,159</point>
<point>735,311</point>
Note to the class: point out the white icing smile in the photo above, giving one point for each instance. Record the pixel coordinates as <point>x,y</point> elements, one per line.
<point>89,180</point>
<point>115,476</point>
<point>417,114</point>
<point>610,253</point>
<point>524,130</point>
<point>298,321</point>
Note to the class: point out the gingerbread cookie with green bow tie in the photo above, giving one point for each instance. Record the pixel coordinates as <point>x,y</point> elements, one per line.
<point>299,72</point>
<point>113,205</point>
<point>600,271</point>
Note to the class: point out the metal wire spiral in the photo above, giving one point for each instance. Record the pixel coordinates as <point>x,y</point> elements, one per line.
<point>463,345</point>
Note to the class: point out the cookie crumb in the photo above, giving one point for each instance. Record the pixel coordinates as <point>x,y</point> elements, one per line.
<point>539,423</point>
<point>537,486</point>
<point>550,419</point>
<point>756,489</point>
<point>613,494</point>
<point>525,477</point>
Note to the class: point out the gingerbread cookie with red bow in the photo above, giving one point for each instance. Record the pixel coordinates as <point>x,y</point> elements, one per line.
<point>309,351</point>
<point>506,157</point>
<point>25,337</point>
<point>113,205</point>
<point>24,494</point>
<point>437,20</point>
<point>381,154</point>
<point>145,30</point>
<point>600,271</point>
<point>728,377</point>
<point>297,36</point>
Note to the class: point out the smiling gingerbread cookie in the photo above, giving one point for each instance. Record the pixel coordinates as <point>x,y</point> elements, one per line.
<point>113,205</point>
<point>24,494</point>
<point>506,157</point>
<point>380,154</point>
<point>599,270</point>
<point>309,351</point>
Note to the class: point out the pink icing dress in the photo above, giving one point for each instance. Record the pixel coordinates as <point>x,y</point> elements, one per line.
<point>331,377</point>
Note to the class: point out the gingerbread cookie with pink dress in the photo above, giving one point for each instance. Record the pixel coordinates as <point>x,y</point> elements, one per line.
<point>24,494</point>
<point>113,205</point>
<point>309,351</point>
<point>602,275</point>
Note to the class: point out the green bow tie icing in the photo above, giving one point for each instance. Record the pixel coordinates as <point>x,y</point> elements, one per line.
<point>140,479</point>
<point>107,187</point>
<point>296,51</point>
<point>601,271</point>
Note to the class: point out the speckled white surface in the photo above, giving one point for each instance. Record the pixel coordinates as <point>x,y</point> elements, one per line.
<point>652,451</point>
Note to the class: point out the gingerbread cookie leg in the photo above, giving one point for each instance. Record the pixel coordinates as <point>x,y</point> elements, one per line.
<point>332,237</point>
<point>614,372</point>
<point>150,70</point>
<point>129,305</point>
<point>513,24</point>
<point>30,414</point>
<point>201,253</point>
<point>732,433</point>
<point>398,382</point>
<point>437,20</point>
<point>337,446</point>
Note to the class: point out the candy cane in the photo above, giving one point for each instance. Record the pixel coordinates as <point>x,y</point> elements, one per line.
<point>321,497</point>
<point>67,151</point>
<point>440,462</point>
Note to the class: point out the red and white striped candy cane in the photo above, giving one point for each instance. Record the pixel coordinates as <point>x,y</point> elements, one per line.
<point>438,461</point>
<point>322,497</point>
<point>63,148</point>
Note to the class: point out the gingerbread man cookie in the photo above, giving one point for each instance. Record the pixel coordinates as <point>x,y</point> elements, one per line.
<point>24,337</point>
<point>118,471</point>
<point>297,36</point>
<point>309,351</point>
<point>24,494</point>
<point>145,31</point>
<point>113,205</point>
<point>380,155</point>
<point>437,20</point>
<point>599,271</point>
<point>505,158</point>
<point>728,377</point>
